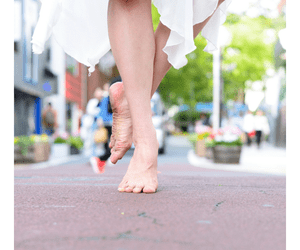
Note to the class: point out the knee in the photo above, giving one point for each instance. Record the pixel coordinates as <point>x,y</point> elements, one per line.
<point>130,5</point>
<point>127,2</point>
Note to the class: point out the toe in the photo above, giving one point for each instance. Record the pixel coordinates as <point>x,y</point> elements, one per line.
<point>149,189</point>
<point>130,186</point>
<point>117,154</point>
<point>129,189</point>
<point>137,190</point>
<point>114,156</point>
<point>122,185</point>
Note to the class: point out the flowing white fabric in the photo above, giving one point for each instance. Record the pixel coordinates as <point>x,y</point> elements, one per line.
<point>80,27</point>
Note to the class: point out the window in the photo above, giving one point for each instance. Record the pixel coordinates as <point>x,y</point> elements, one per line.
<point>30,60</point>
<point>72,65</point>
<point>48,58</point>
<point>16,48</point>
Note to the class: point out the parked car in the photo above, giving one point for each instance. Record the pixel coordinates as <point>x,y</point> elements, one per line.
<point>159,119</point>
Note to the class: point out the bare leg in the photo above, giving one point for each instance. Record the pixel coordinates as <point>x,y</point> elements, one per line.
<point>161,67</point>
<point>132,41</point>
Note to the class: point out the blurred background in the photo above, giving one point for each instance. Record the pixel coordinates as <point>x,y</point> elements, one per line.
<point>247,73</point>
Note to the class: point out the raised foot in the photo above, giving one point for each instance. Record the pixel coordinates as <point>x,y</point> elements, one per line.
<point>121,138</point>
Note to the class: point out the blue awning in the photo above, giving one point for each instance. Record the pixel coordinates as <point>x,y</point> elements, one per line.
<point>204,107</point>
<point>184,107</point>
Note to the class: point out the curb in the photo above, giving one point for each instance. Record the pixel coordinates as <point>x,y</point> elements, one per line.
<point>58,162</point>
<point>244,166</point>
<point>50,163</point>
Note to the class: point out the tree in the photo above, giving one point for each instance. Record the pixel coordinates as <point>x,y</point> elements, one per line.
<point>191,83</point>
<point>251,52</point>
<point>248,57</point>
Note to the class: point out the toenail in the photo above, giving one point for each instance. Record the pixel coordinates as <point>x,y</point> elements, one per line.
<point>121,189</point>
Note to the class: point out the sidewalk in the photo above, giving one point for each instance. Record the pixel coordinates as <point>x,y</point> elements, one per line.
<point>266,160</point>
<point>53,162</point>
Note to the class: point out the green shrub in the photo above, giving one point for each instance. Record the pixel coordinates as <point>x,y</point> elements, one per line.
<point>184,118</point>
<point>213,143</point>
<point>193,139</point>
<point>75,141</point>
<point>24,142</point>
<point>59,140</point>
<point>187,117</point>
<point>237,142</point>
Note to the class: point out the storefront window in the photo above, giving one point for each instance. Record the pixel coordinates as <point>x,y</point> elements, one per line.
<point>30,60</point>
<point>72,65</point>
<point>69,117</point>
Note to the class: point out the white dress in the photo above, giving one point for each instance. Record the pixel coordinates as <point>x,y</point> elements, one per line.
<point>80,27</point>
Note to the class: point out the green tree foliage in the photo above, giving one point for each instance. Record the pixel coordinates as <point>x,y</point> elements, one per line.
<point>193,82</point>
<point>250,53</point>
<point>247,57</point>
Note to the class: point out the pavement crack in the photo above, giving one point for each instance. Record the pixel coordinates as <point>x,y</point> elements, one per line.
<point>143,214</point>
<point>218,205</point>
<point>125,235</point>
<point>154,222</point>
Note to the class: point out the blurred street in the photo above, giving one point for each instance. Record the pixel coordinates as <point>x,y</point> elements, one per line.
<point>219,116</point>
<point>64,205</point>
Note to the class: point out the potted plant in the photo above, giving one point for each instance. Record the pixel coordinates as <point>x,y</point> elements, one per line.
<point>60,148</point>
<point>34,148</point>
<point>202,133</point>
<point>226,144</point>
<point>198,139</point>
<point>76,143</point>
<point>209,144</point>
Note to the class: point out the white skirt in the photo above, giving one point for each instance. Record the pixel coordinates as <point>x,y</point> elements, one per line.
<point>80,27</point>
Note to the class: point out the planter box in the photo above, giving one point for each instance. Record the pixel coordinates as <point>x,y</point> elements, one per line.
<point>59,150</point>
<point>74,151</point>
<point>200,148</point>
<point>209,153</point>
<point>227,155</point>
<point>38,152</point>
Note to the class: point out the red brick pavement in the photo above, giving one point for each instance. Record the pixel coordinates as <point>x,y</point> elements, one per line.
<point>69,207</point>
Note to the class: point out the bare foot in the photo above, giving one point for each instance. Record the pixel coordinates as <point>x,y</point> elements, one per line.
<point>121,138</point>
<point>141,175</point>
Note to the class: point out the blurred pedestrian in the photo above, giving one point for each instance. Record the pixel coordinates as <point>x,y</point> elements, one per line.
<point>225,119</point>
<point>261,126</point>
<point>204,122</point>
<point>248,126</point>
<point>49,119</point>
<point>106,117</point>
<point>238,120</point>
<point>100,137</point>
<point>89,120</point>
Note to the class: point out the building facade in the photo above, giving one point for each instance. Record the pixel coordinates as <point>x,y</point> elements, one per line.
<point>51,77</point>
<point>75,93</point>
<point>33,77</point>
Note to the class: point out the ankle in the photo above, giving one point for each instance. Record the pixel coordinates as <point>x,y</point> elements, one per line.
<point>145,136</point>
